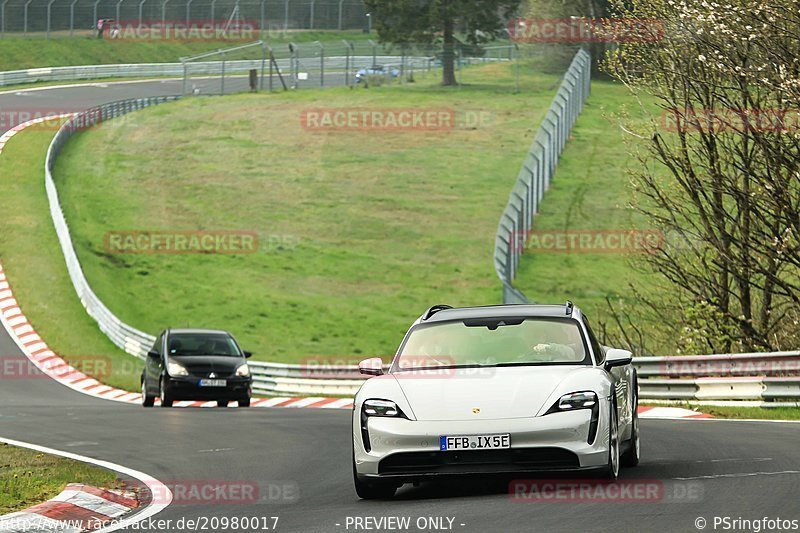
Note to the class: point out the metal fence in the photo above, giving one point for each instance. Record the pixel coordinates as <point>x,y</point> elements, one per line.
<point>537,172</point>
<point>768,378</point>
<point>66,17</point>
<point>303,65</point>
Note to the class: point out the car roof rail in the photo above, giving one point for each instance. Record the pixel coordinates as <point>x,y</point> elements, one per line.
<point>432,310</point>
<point>570,306</point>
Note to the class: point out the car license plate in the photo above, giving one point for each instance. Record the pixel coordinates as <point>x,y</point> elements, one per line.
<point>213,383</point>
<point>474,442</point>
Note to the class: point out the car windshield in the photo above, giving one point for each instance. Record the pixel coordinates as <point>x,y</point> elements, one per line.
<point>493,342</point>
<point>202,344</point>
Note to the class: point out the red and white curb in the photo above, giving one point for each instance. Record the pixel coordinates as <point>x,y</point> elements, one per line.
<point>78,508</point>
<point>53,366</point>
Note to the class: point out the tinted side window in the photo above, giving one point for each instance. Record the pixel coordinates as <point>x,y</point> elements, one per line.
<point>599,353</point>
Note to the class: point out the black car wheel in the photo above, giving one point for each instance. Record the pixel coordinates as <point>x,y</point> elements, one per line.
<point>244,402</point>
<point>631,457</point>
<point>222,403</point>
<point>166,397</point>
<point>611,470</point>
<point>147,400</point>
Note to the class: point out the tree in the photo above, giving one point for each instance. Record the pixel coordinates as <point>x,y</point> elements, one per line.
<point>408,22</point>
<point>721,165</point>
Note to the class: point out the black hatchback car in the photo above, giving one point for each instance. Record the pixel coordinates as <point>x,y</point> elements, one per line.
<point>196,364</point>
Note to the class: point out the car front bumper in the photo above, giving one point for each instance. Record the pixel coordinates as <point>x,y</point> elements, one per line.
<point>187,388</point>
<point>409,449</point>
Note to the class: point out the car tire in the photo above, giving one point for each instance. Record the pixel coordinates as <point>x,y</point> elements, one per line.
<point>611,470</point>
<point>147,400</point>
<point>372,490</point>
<point>222,403</point>
<point>244,402</point>
<point>166,397</point>
<point>631,456</point>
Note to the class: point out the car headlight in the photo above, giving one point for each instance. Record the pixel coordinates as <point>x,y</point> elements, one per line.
<point>243,371</point>
<point>385,408</point>
<point>176,369</point>
<point>574,401</point>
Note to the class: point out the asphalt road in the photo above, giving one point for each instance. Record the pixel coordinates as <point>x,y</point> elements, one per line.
<point>300,459</point>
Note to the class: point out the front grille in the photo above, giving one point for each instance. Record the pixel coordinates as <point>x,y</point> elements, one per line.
<point>479,461</point>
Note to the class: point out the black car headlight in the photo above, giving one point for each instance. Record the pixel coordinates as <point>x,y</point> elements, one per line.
<point>380,409</point>
<point>580,400</point>
<point>384,408</point>
<point>577,400</point>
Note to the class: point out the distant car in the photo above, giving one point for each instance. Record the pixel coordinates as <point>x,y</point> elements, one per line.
<point>196,364</point>
<point>498,389</point>
<point>378,71</point>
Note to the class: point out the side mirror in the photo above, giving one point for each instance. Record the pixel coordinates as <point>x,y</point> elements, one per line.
<point>247,354</point>
<point>152,354</point>
<point>617,357</point>
<point>371,367</point>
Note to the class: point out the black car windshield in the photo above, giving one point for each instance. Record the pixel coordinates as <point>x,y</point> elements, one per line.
<point>493,342</point>
<point>202,344</point>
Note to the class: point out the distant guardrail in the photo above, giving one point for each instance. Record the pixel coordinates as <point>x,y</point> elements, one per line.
<point>130,339</point>
<point>537,172</point>
<point>158,70</point>
<point>769,377</point>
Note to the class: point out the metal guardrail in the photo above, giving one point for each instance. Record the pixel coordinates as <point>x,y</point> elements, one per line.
<point>537,172</point>
<point>716,377</point>
<point>210,68</point>
<point>130,339</point>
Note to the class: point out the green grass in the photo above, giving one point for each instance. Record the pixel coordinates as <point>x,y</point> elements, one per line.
<point>28,477</point>
<point>23,53</point>
<point>386,223</point>
<point>32,258</point>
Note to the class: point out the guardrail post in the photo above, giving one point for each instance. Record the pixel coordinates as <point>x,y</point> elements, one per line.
<point>321,64</point>
<point>25,16</point>
<point>94,13</point>
<point>222,81</point>
<point>347,47</point>
<point>263,66</point>
<point>164,13</point>
<point>263,12</point>
<point>49,18</point>
<point>3,18</point>
<point>72,17</point>
<point>188,12</point>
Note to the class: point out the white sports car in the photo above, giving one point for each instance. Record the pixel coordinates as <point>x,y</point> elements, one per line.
<point>499,389</point>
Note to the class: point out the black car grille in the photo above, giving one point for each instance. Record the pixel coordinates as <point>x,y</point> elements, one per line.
<point>205,370</point>
<point>479,461</point>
